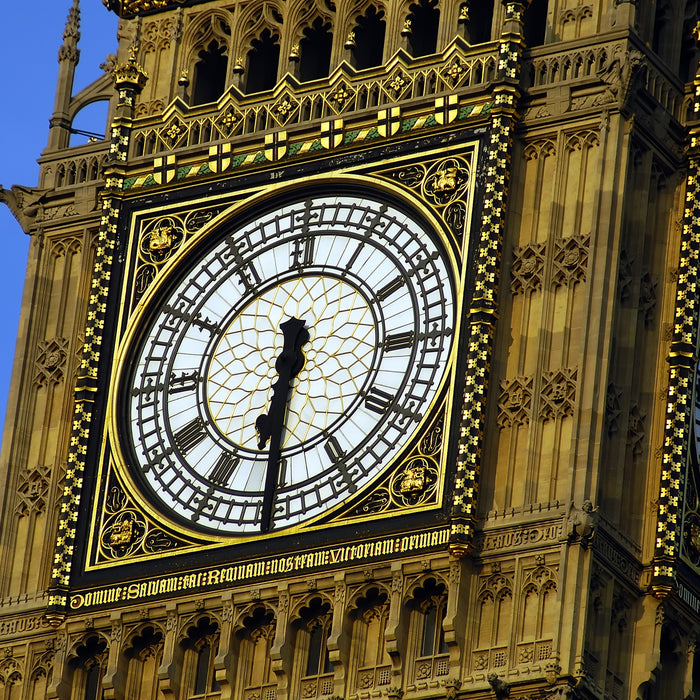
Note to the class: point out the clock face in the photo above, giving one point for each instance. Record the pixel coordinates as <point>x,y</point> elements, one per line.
<point>283,368</point>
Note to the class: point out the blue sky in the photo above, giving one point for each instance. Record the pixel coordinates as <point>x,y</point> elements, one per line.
<point>30,36</point>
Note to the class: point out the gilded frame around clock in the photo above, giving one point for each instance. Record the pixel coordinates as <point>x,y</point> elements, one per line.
<point>416,479</point>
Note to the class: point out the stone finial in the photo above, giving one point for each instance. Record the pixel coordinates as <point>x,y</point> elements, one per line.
<point>71,36</point>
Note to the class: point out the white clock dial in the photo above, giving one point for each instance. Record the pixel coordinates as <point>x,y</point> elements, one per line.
<point>373,287</point>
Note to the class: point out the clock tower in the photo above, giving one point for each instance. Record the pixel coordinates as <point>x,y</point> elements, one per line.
<point>360,358</point>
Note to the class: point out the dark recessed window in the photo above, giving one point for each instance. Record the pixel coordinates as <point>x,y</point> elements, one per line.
<point>263,59</point>
<point>480,18</point>
<point>369,39</point>
<point>209,79</point>
<point>422,27</point>
<point>315,51</point>
<point>536,23</point>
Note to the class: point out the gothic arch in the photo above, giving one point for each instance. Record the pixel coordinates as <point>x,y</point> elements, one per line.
<point>198,642</point>
<point>255,628</point>
<point>11,674</point>
<point>255,24</point>
<point>357,38</point>
<point>215,24</point>
<point>254,19</point>
<point>421,26</point>
<point>302,16</point>
<point>312,674</point>
<point>140,658</point>
<point>424,583</point>
<point>370,664</point>
<point>207,55</point>
<point>87,662</point>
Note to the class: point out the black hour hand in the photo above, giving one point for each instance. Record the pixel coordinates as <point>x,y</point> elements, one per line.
<point>270,425</point>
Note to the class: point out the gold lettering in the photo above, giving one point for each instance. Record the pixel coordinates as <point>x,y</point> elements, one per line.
<point>213,578</point>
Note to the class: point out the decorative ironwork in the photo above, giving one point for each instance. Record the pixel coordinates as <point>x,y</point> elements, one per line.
<point>126,532</point>
<point>413,483</point>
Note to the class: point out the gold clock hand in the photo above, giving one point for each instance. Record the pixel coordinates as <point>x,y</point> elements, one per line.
<point>270,426</point>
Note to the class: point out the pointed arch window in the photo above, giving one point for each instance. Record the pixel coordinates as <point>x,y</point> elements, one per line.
<point>370,617</point>
<point>144,655</point>
<point>421,27</point>
<point>476,16</point>
<point>200,648</point>
<point>263,59</point>
<point>366,41</point>
<point>254,668</point>
<point>88,668</point>
<point>662,20</point>
<point>209,75</point>
<point>315,51</point>
<point>311,649</point>
<point>689,46</point>
<point>429,606</point>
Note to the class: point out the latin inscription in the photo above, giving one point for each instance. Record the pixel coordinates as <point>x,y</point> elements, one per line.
<point>248,571</point>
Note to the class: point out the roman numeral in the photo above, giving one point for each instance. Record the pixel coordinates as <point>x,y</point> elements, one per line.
<point>378,400</point>
<point>303,252</point>
<point>224,468</point>
<point>399,341</point>
<point>178,313</point>
<point>337,456</point>
<point>190,435</point>
<point>333,449</point>
<point>247,274</point>
<point>388,289</point>
<point>185,382</point>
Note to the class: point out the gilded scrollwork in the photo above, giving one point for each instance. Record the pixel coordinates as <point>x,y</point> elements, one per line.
<point>413,483</point>
<point>125,531</point>
<point>443,183</point>
<point>161,238</point>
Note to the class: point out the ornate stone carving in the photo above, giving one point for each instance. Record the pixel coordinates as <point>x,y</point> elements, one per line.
<point>500,688</point>
<point>515,402</point>
<point>647,297</point>
<point>624,276</point>
<point>613,408</point>
<point>527,269</point>
<point>446,181</point>
<point>558,394</point>
<point>50,363</point>
<point>116,633</point>
<point>33,490</point>
<point>636,430</point>
<point>581,523</point>
<point>570,260</point>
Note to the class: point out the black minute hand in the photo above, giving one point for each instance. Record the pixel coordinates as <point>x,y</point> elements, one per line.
<point>270,426</point>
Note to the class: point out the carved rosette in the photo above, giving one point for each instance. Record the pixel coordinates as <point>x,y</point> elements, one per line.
<point>558,394</point>
<point>515,402</point>
<point>33,491</point>
<point>570,260</point>
<point>527,270</point>
<point>50,362</point>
